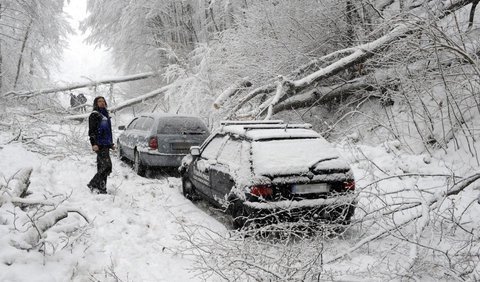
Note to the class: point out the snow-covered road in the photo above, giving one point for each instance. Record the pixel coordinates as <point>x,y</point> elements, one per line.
<point>134,229</point>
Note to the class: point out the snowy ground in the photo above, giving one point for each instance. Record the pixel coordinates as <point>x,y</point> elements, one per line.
<point>133,230</point>
<point>140,230</point>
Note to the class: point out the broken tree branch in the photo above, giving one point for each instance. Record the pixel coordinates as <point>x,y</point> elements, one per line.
<point>32,93</point>
<point>354,55</point>
<point>438,197</point>
<point>127,103</point>
<point>231,91</point>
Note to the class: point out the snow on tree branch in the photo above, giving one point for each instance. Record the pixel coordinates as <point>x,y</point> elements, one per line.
<point>127,103</point>
<point>32,93</point>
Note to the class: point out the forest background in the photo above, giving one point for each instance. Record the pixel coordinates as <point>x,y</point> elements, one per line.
<point>400,75</point>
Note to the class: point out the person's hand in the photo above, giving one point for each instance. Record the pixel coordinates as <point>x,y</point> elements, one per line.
<point>95,148</point>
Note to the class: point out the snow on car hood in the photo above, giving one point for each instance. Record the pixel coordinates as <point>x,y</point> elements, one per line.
<point>295,156</point>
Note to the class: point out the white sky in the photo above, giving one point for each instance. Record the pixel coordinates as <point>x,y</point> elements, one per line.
<point>82,60</point>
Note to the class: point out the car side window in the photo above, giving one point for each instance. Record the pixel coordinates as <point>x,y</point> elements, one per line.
<point>140,123</point>
<point>212,149</point>
<point>231,154</point>
<point>147,124</point>
<point>132,124</point>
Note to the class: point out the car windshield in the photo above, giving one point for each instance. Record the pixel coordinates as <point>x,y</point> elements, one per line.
<point>290,156</point>
<point>181,125</point>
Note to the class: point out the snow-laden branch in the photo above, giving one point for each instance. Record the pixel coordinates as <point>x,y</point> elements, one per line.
<point>427,204</point>
<point>38,221</point>
<point>32,93</point>
<point>352,56</point>
<point>231,91</point>
<point>20,182</point>
<point>31,237</point>
<point>127,103</point>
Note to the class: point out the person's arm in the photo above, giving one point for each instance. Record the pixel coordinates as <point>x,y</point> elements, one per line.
<point>93,123</point>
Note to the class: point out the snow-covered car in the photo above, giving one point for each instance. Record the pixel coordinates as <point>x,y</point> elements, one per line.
<point>271,171</point>
<point>159,140</point>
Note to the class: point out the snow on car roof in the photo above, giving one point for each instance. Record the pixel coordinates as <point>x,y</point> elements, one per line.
<point>261,132</point>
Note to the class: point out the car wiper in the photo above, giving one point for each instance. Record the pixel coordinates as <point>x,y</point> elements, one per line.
<point>320,161</point>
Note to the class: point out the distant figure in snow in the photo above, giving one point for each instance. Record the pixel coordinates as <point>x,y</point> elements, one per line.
<point>100,134</point>
<point>73,100</point>
<point>81,101</point>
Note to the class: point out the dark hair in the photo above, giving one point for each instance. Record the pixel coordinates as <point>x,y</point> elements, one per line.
<point>95,106</point>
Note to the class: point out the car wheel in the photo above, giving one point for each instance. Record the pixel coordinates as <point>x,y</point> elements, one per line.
<point>138,167</point>
<point>238,213</point>
<point>188,189</point>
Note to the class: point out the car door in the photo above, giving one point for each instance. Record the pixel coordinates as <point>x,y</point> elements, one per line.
<point>125,139</point>
<point>230,165</point>
<point>144,132</point>
<point>200,173</point>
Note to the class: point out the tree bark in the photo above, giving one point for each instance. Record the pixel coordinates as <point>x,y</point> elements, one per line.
<point>22,50</point>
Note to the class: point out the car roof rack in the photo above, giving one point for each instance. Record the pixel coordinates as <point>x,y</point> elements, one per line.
<point>277,126</point>
<point>250,122</point>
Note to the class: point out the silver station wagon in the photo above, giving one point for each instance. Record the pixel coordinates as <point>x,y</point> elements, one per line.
<point>159,140</point>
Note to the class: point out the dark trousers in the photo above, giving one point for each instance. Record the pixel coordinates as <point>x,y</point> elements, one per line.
<point>104,168</point>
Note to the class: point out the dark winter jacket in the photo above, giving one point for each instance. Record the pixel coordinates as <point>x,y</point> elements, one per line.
<point>100,126</point>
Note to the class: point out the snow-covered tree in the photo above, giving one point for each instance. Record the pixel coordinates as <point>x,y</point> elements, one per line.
<point>32,36</point>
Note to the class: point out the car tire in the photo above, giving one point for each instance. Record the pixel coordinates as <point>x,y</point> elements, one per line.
<point>138,167</point>
<point>188,189</point>
<point>238,213</point>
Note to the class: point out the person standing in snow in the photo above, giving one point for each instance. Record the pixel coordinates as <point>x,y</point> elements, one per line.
<point>100,133</point>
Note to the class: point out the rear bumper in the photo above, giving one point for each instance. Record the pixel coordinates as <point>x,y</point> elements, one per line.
<point>156,159</point>
<point>334,210</point>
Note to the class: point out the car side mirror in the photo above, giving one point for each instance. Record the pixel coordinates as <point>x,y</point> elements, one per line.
<point>195,151</point>
<point>121,127</point>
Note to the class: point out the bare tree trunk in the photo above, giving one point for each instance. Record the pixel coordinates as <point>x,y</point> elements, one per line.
<point>1,58</point>
<point>20,59</point>
<point>352,20</point>
<point>472,13</point>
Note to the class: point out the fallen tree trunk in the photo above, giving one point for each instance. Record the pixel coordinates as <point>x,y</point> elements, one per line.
<point>356,55</point>
<point>32,93</point>
<point>231,91</point>
<point>325,94</point>
<point>125,104</point>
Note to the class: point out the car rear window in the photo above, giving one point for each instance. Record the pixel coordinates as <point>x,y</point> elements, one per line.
<point>289,156</point>
<point>181,125</point>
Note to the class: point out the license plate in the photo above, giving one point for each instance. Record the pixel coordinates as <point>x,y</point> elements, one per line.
<point>310,188</point>
<point>181,146</point>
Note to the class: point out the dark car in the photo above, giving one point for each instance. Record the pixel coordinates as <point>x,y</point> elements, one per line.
<point>270,172</point>
<point>160,140</point>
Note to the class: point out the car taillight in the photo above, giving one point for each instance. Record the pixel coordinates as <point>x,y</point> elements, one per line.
<point>349,185</point>
<point>153,143</point>
<point>261,190</point>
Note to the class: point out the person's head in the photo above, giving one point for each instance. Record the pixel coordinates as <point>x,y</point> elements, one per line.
<point>99,102</point>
